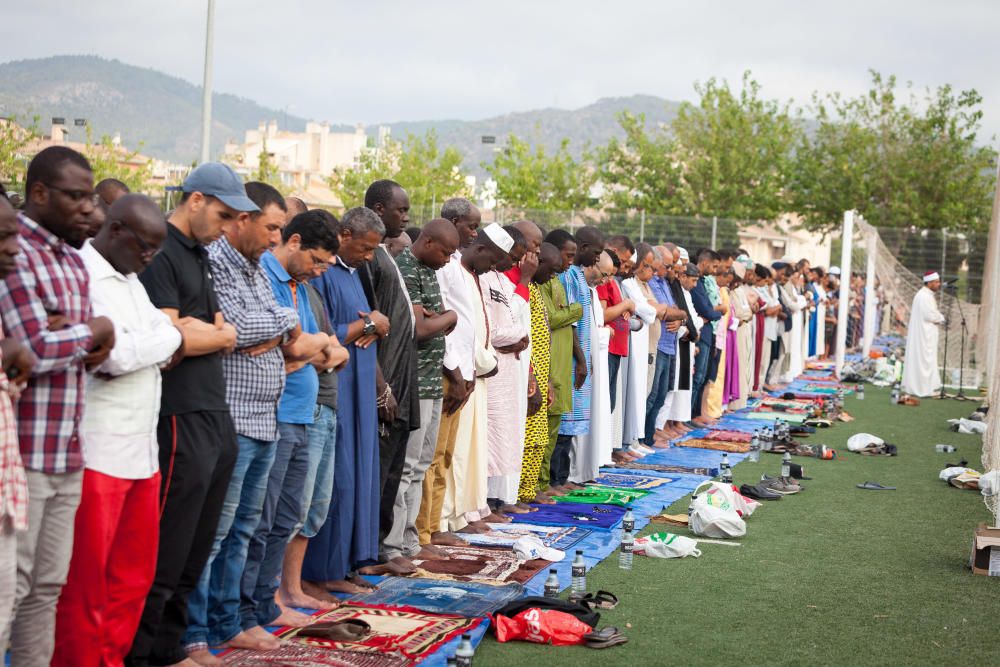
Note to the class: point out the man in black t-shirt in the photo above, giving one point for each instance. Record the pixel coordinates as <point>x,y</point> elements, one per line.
<point>195,432</point>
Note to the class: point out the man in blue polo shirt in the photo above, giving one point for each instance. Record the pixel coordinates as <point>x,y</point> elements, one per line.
<point>307,247</point>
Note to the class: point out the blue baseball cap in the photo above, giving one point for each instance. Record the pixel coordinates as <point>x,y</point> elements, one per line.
<point>220,181</point>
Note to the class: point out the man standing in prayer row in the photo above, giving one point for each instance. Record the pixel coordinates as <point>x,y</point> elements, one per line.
<point>254,377</point>
<point>466,489</point>
<point>458,370</point>
<point>437,242</point>
<point>509,337</point>
<point>706,360</point>
<point>565,348</point>
<point>197,440</point>
<point>397,386</point>
<point>671,319</point>
<point>349,537</point>
<point>116,530</point>
<point>921,376</point>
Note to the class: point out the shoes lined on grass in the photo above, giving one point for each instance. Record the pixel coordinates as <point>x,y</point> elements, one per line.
<point>780,485</point>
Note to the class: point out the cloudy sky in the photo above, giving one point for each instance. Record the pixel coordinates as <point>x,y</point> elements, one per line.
<point>382,60</point>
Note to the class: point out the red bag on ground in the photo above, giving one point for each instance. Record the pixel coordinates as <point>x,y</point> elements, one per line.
<point>541,626</point>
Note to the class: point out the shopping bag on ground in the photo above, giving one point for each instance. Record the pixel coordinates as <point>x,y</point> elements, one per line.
<point>714,516</point>
<point>666,545</point>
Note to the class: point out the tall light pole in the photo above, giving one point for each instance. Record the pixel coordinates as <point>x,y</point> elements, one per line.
<point>206,91</point>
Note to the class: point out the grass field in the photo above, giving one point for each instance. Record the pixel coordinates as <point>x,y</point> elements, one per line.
<point>834,575</point>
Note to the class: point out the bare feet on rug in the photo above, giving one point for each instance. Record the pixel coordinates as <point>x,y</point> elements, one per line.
<point>514,509</point>
<point>573,486</point>
<point>301,600</point>
<point>255,639</point>
<point>526,507</point>
<point>497,517</point>
<point>321,596</point>
<point>191,662</point>
<point>618,456</point>
<point>448,540</point>
<point>476,527</point>
<point>341,586</point>
<point>399,566</point>
<point>543,499</point>
<point>292,618</point>
<point>431,552</point>
<point>361,582</point>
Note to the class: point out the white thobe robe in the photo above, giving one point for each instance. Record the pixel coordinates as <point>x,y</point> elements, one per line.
<point>921,375</point>
<point>635,367</point>
<point>593,450</point>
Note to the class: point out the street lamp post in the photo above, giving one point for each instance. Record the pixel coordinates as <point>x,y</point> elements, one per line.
<point>206,91</point>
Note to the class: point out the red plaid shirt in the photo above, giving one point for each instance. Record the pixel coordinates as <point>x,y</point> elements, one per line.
<point>50,279</point>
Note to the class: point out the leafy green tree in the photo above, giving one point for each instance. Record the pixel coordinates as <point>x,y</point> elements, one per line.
<point>429,173</point>
<point>110,161</point>
<point>901,161</point>
<point>531,179</point>
<point>14,139</point>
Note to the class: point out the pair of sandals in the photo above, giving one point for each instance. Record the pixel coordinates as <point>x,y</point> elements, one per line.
<point>604,638</point>
<point>350,630</point>
<point>598,600</point>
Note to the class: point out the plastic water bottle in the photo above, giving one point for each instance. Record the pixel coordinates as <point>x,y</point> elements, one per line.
<point>579,573</point>
<point>628,521</point>
<point>786,465</point>
<point>860,392</point>
<point>464,653</point>
<point>894,396</point>
<point>552,585</point>
<point>944,449</point>
<point>725,470</point>
<point>625,557</point>
<point>755,447</point>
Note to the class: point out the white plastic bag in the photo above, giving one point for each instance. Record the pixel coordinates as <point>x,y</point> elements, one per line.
<point>859,441</point>
<point>713,515</point>
<point>666,545</point>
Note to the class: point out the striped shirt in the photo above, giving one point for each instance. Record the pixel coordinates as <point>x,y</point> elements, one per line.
<point>49,279</point>
<point>13,483</point>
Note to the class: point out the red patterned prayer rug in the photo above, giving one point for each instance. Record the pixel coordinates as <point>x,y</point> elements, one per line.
<point>482,564</point>
<point>399,636</point>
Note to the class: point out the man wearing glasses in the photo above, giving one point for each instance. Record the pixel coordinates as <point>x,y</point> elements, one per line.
<point>116,526</point>
<point>45,302</point>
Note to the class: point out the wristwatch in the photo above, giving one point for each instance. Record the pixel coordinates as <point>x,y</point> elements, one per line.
<point>369,327</point>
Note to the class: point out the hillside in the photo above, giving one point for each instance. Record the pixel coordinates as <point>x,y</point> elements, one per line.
<point>164,112</point>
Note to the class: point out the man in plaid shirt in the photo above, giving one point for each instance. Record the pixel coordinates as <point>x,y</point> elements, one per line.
<point>46,303</point>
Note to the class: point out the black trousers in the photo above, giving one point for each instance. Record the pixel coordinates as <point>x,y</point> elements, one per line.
<point>197,455</point>
<point>392,456</point>
<point>559,466</point>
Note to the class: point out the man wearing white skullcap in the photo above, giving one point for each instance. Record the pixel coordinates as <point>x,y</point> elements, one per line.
<point>920,368</point>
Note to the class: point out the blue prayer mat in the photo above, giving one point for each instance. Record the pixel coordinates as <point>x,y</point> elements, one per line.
<point>504,535</point>
<point>625,481</point>
<point>595,517</point>
<point>464,598</point>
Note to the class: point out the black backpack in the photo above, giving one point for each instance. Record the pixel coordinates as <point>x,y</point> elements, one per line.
<point>582,612</point>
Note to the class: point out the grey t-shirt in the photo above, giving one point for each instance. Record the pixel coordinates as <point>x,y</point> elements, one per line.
<point>327,381</point>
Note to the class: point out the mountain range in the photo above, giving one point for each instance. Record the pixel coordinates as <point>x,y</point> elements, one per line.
<point>161,114</point>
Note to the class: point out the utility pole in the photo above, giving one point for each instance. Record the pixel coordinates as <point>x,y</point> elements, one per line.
<point>206,87</point>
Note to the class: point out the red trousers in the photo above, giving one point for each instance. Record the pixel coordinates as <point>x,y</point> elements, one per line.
<point>111,571</point>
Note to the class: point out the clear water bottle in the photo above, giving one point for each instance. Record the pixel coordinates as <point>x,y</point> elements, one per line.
<point>628,521</point>
<point>579,573</point>
<point>725,470</point>
<point>625,556</point>
<point>754,454</point>
<point>786,465</point>
<point>860,392</point>
<point>552,585</point>
<point>894,396</point>
<point>465,652</point>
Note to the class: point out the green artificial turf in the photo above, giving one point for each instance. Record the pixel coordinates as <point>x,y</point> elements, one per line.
<point>833,575</point>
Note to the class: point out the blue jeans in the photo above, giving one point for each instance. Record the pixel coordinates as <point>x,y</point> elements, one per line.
<point>282,512</point>
<point>663,377</point>
<point>701,364</point>
<point>318,487</point>
<point>214,605</point>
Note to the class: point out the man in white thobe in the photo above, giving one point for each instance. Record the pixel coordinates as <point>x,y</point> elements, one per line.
<point>920,368</point>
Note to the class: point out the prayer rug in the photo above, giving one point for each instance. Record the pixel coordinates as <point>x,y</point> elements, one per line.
<point>772,415</point>
<point>464,598</point>
<point>717,445</point>
<point>483,564</point>
<point>304,655</point>
<point>664,467</point>
<point>404,633</point>
<point>602,496</point>
<point>728,436</point>
<point>595,517</point>
<point>505,534</point>
<point>626,481</point>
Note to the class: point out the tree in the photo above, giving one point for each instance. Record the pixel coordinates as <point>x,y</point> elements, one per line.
<point>108,160</point>
<point>900,162</point>
<point>735,151</point>
<point>267,171</point>
<point>14,138</point>
<point>430,174</point>
<point>530,179</point>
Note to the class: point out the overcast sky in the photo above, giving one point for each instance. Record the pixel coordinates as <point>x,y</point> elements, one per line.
<point>381,60</point>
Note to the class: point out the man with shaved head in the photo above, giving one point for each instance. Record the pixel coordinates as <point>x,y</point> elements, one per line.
<point>116,525</point>
<point>295,206</point>
<point>418,264</point>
